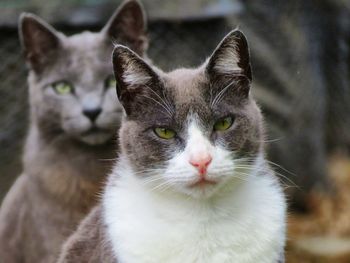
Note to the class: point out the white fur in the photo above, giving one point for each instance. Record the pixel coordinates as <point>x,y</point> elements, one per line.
<point>227,62</point>
<point>240,220</point>
<point>133,75</point>
<point>183,173</point>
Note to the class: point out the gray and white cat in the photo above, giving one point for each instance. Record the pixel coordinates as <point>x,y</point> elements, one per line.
<point>74,117</point>
<point>191,183</point>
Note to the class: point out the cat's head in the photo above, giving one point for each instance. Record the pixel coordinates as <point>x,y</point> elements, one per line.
<point>191,131</point>
<point>72,86</point>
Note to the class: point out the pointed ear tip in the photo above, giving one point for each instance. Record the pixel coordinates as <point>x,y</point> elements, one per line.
<point>24,20</point>
<point>122,10</point>
<point>236,36</point>
<point>236,33</point>
<point>131,4</point>
<point>118,50</point>
<point>29,19</point>
<point>135,3</point>
<point>25,17</point>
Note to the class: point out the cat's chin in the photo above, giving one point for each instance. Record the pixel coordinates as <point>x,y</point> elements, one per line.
<point>96,138</point>
<point>210,189</point>
<point>198,190</point>
<point>203,191</point>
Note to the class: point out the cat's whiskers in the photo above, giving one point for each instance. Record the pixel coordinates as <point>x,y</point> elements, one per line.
<point>108,159</point>
<point>166,104</point>
<point>218,97</point>
<point>219,171</point>
<point>152,182</point>
<point>287,181</point>
<point>240,170</point>
<point>160,186</point>
<point>159,103</point>
<point>270,140</point>
<point>281,167</point>
<point>151,179</point>
<point>211,96</point>
<point>150,170</point>
<point>233,172</point>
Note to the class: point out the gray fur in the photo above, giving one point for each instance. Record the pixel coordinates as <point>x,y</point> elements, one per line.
<point>82,60</point>
<point>167,99</point>
<point>67,155</point>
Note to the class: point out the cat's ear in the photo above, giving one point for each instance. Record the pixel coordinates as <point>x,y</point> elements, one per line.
<point>137,82</point>
<point>127,26</point>
<point>230,58</point>
<point>39,41</point>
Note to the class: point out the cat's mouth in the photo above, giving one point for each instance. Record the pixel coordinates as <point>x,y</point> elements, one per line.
<point>203,182</point>
<point>95,136</point>
<point>94,131</point>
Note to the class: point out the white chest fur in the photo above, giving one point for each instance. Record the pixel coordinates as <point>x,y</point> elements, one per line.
<point>245,226</point>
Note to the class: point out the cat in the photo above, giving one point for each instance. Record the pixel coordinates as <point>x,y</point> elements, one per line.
<point>72,134</point>
<point>191,183</point>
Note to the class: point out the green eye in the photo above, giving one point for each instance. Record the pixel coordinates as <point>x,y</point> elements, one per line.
<point>62,88</point>
<point>164,133</point>
<point>223,124</point>
<point>110,82</point>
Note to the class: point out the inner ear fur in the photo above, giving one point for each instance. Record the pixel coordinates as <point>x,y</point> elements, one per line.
<point>231,57</point>
<point>136,80</point>
<point>229,65</point>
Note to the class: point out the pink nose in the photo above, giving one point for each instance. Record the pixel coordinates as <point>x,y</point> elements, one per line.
<point>201,163</point>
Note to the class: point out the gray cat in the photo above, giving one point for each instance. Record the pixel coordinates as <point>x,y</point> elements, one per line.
<point>192,183</point>
<point>74,117</point>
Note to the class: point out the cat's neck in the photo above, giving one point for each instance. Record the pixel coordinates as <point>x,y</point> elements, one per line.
<point>183,221</point>
<point>64,168</point>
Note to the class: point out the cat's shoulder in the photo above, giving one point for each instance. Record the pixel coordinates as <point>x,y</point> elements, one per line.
<point>13,212</point>
<point>16,197</point>
<point>89,243</point>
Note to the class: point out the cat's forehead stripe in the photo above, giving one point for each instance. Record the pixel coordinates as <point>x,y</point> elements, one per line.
<point>185,84</point>
<point>195,126</point>
<point>187,88</point>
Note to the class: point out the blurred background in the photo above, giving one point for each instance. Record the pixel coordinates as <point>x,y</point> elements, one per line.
<point>301,69</point>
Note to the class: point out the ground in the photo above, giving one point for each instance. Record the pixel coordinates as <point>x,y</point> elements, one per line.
<point>323,235</point>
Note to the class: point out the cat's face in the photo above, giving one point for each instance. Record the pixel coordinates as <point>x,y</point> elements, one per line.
<point>192,131</point>
<point>72,87</point>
